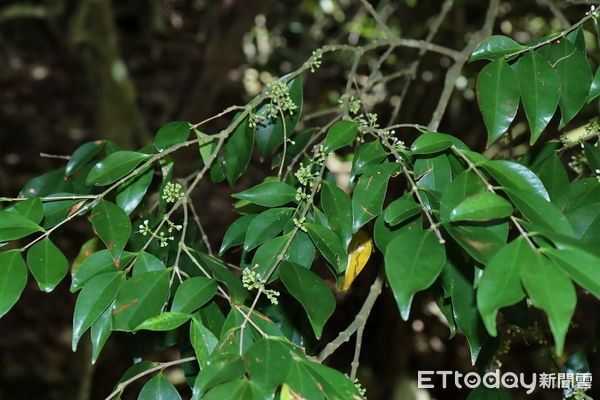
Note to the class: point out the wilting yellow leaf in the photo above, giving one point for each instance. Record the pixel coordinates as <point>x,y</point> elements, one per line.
<point>359,252</point>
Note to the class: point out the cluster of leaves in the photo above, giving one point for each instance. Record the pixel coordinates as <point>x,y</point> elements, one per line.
<point>482,236</point>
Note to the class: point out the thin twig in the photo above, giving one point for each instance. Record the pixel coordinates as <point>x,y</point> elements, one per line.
<point>200,228</point>
<point>46,155</point>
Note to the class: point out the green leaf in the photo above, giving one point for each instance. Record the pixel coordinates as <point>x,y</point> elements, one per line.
<point>15,226</point>
<point>112,225</point>
<point>480,241</point>
<point>203,341</point>
<point>114,167</point>
<point>82,155</point>
<point>401,209</point>
<point>268,362</point>
<point>265,257</point>
<point>224,275</point>
<point>236,233</point>
<point>131,193</point>
<point>329,245</point>
<point>341,134</point>
<point>55,211</point>
<point>268,194</point>
<point>301,250</point>
<point>193,293</point>
<point>551,290</point>
<point>47,264</point>
<point>580,265</point>
<point>367,155</point>
<point>498,97</point>
<point>593,156</point>
<point>336,385</point>
<point>266,225</point>
<point>313,294</point>
<point>337,206</point>
<point>586,223</point>
<point>217,372</point>
<point>413,260</point>
<point>369,193</point>
<point>240,389</point>
<point>554,177</point>
<point>465,185</point>
<point>170,134</point>
<point>494,47</point>
<point>164,322</point>
<point>433,172</point>
<point>539,211</point>
<point>30,208</point>
<point>481,207</point>
<point>100,332</point>
<point>269,133</point>
<point>577,37</point>
<point>146,262</point>
<point>513,175</point>
<point>97,263</point>
<point>500,284</point>
<point>95,297</point>
<point>574,75</point>
<point>139,298</point>
<point>540,91</point>
<point>46,184</point>
<point>237,151</point>
<point>430,142</point>
<point>595,87</point>
<point>159,388</point>
<point>484,393</point>
<point>13,278</point>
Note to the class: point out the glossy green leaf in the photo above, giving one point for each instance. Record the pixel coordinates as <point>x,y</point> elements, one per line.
<point>93,300</point>
<point>586,223</point>
<point>367,155</point>
<point>336,385</point>
<point>224,275</point>
<point>401,209</point>
<point>13,278</point>
<point>413,260</point>
<point>46,184</point>
<point>159,388</point>
<point>139,298</point>
<point>30,208</point>
<point>303,383</point>
<point>240,389</point>
<point>47,264</point>
<point>266,225</point>
<point>494,47</point>
<point>268,363</point>
<point>595,87</point>
<point>329,245</point>
<point>82,155</point>
<point>114,167</point>
<point>500,284</point>
<point>337,206</point>
<point>554,177</point>
<point>112,225</point>
<point>369,193</point>
<point>498,97</point>
<point>203,341</point>
<point>15,226</point>
<point>341,134</point>
<point>311,292</point>
<point>301,250</point>
<point>236,233</point>
<point>513,175</point>
<point>100,332</point>
<point>430,142</point>
<point>131,193</point>
<point>592,154</point>
<point>266,255</point>
<point>170,134</point>
<point>146,262</point>
<point>481,207</point>
<point>164,322</point>
<point>465,185</point>
<point>268,194</point>
<point>97,263</point>
<point>217,372</point>
<point>237,151</point>
<point>574,75</point>
<point>580,265</point>
<point>480,241</point>
<point>56,211</point>
<point>551,290</point>
<point>193,293</point>
<point>540,91</point>
<point>432,172</point>
<point>269,133</point>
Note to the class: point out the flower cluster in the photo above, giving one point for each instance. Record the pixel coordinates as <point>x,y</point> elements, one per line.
<point>255,119</point>
<point>315,60</point>
<point>163,239</point>
<point>594,12</point>
<point>354,103</point>
<point>280,100</point>
<point>364,124</point>
<point>172,192</point>
<point>299,223</point>
<point>360,388</point>
<point>305,175</point>
<point>251,281</point>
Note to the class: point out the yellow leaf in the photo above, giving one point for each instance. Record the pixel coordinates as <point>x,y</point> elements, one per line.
<point>359,252</point>
<point>288,394</point>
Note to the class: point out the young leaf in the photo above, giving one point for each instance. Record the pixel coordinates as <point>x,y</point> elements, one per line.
<point>237,151</point>
<point>170,134</point>
<point>95,297</point>
<point>15,226</point>
<point>413,260</point>
<point>13,278</point>
<point>164,322</point>
<point>139,298</point>
<point>266,225</point>
<point>268,194</point>
<point>131,193</point>
<point>341,134</point>
<point>498,97</point>
<point>47,264</point>
<point>369,193</point>
<point>114,167</point>
<point>337,206</point>
<point>82,155</point>
<point>481,207</point>
<point>159,388</point>
<point>313,294</point>
<point>112,225</point>
<point>540,91</point>
<point>494,47</point>
<point>551,290</point>
<point>329,245</point>
<point>500,284</point>
<point>359,252</point>
<point>236,233</point>
<point>400,210</point>
<point>430,142</point>
<point>193,293</point>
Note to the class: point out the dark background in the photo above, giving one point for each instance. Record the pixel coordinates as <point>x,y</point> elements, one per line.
<point>72,71</point>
